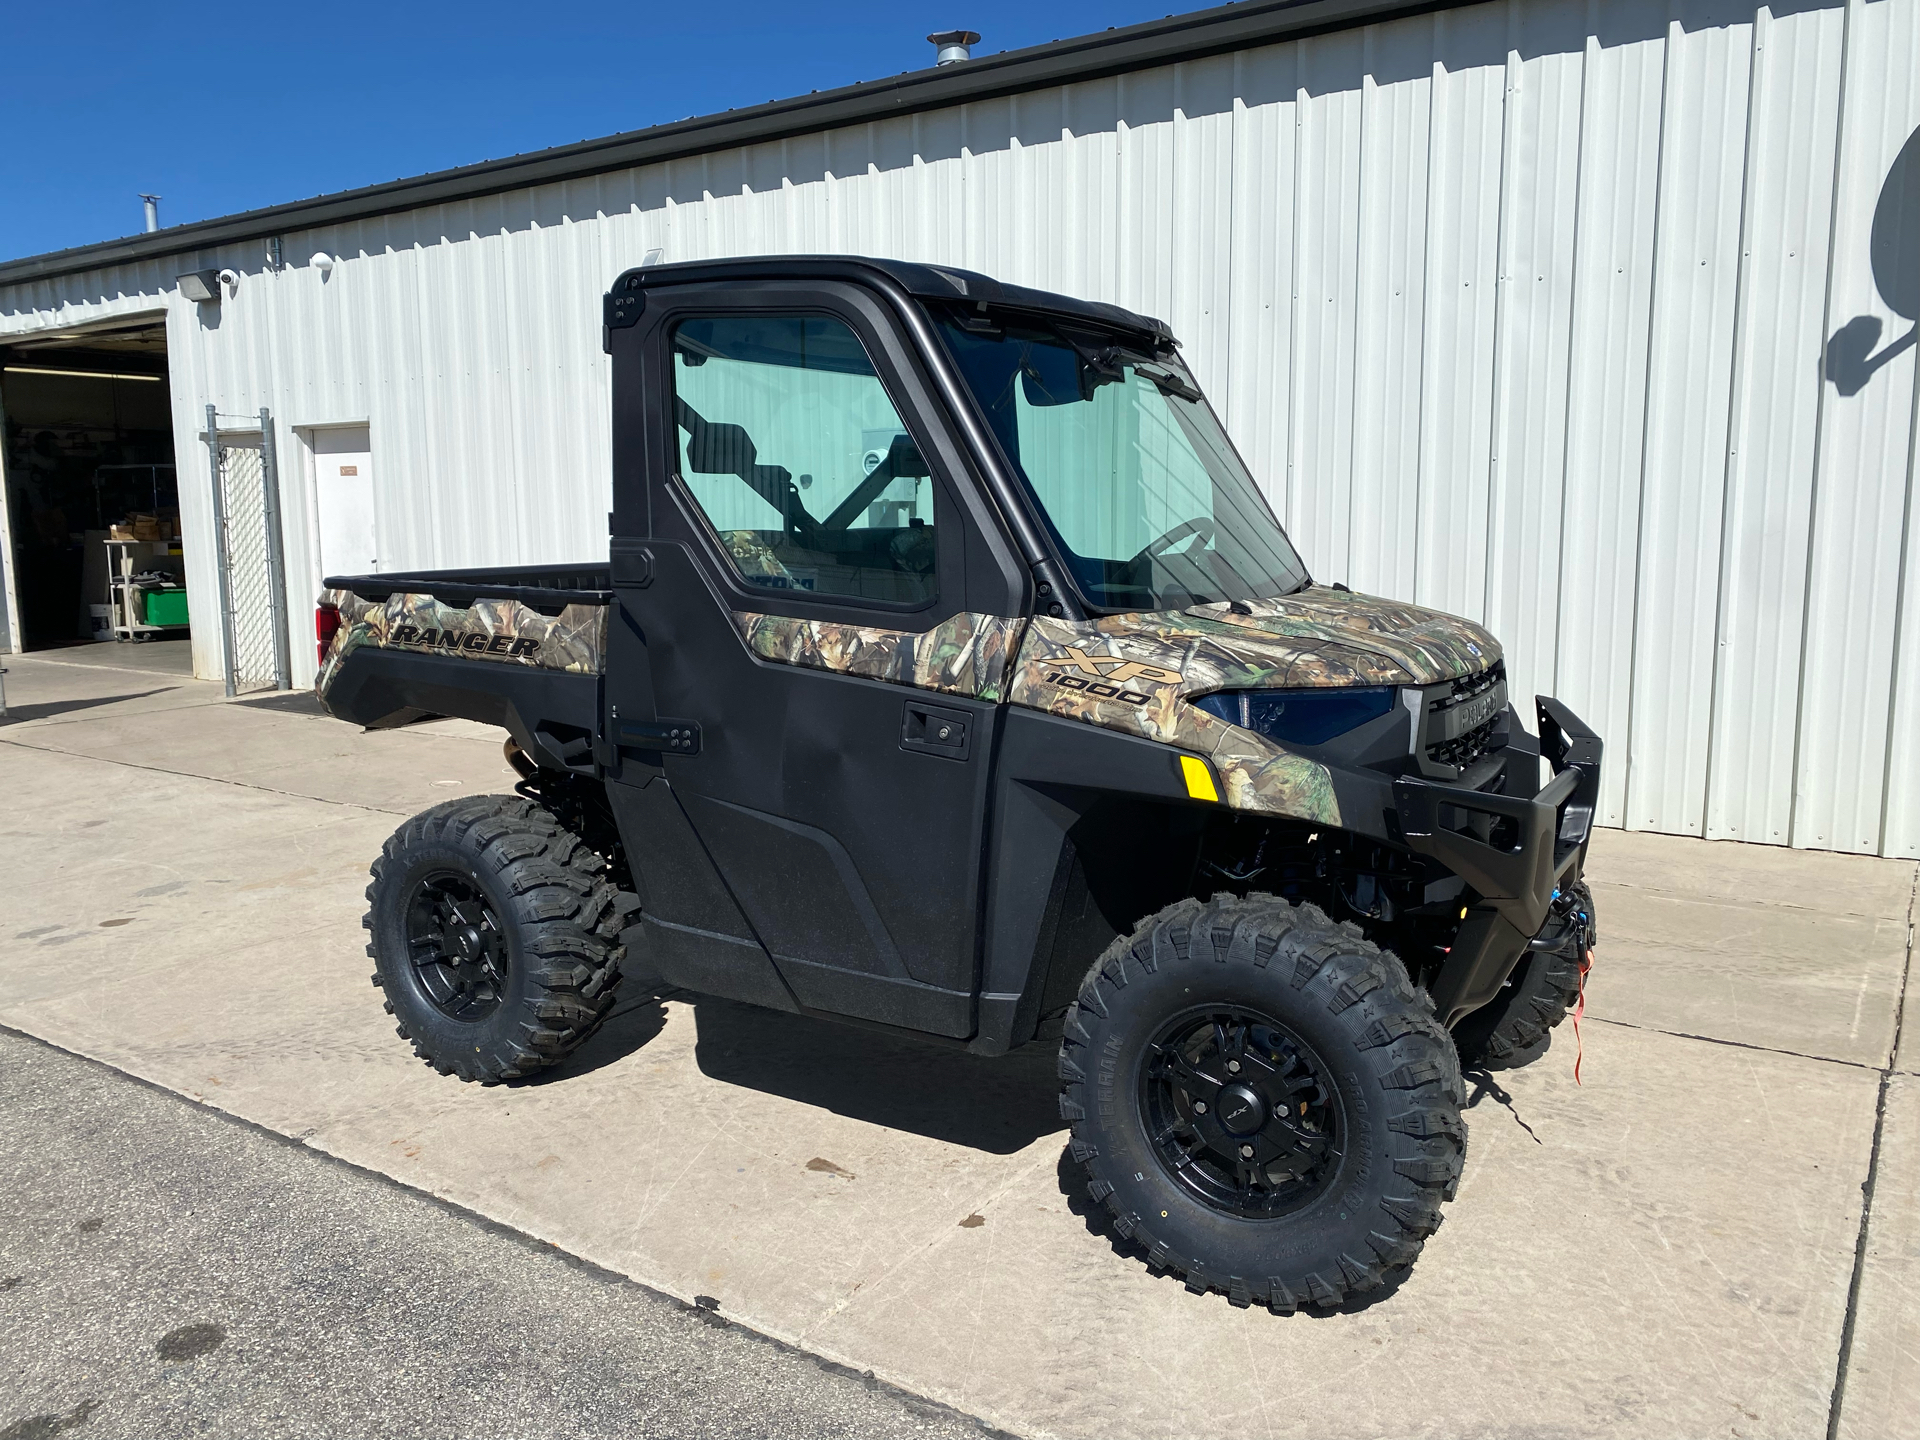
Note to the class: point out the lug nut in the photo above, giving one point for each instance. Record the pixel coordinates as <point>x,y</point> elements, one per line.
<point>1246,1152</point>
<point>1199,1107</point>
<point>1233,1067</point>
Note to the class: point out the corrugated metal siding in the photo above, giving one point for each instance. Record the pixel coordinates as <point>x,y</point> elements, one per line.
<point>1517,309</point>
<point>1696,264</point>
<point>1773,422</point>
<point>1863,469</point>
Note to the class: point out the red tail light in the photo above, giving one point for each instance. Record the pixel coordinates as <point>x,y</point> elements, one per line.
<point>326,624</point>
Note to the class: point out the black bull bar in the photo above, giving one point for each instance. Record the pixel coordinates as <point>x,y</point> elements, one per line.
<point>1517,853</point>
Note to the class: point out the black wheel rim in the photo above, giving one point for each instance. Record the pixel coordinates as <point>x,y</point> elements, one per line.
<point>455,946</point>
<point>1241,1112</point>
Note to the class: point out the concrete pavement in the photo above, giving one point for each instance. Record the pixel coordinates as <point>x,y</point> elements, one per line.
<point>167,1271</point>
<point>1669,1249</point>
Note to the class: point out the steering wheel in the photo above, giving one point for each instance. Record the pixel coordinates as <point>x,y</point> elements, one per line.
<point>1201,527</point>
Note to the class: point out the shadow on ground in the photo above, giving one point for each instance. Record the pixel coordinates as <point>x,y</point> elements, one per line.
<point>999,1106</point>
<point>1485,1087</point>
<point>996,1105</point>
<point>291,702</point>
<point>633,1024</point>
<point>17,713</point>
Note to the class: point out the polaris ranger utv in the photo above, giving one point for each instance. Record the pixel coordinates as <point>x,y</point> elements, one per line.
<point>951,675</point>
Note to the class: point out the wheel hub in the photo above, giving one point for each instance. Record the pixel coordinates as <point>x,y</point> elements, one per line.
<point>1241,1112</point>
<point>458,952</point>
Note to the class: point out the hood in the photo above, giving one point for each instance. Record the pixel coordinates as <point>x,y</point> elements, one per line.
<point>1134,673</point>
<point>1318,636</point>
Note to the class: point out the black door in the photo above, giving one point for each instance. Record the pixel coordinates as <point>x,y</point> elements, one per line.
<point>801,667</point>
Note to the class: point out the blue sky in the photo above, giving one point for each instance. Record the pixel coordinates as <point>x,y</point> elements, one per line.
<point>225,107</point>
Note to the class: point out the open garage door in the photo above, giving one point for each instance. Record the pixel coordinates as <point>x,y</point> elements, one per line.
<point>92,506</point>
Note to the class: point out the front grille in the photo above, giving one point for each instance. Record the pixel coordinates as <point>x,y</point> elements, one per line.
<point>1463,747</point>
<point>1463,750</point>
<point>1468,686</point>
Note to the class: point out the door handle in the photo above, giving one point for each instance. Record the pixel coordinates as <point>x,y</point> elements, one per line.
<point>681,737</point>
<point>936,730</point>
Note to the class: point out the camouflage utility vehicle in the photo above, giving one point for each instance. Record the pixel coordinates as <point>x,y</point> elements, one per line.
<point>950,675</point>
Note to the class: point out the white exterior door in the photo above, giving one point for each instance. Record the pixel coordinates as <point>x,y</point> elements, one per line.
<point>343,485</point>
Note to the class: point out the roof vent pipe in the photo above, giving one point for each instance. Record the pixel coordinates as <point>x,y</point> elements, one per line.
<point>153,210</point>
<point>954,45</point>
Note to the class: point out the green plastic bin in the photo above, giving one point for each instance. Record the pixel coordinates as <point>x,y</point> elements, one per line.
<point>166,607</point>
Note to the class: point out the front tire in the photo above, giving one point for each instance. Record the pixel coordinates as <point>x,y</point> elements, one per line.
<point>1262,1101</point>
<point>496,935</point>
<point>1516,1026</point>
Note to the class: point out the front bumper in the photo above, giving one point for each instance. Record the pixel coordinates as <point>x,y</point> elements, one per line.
<point>1516,852</point>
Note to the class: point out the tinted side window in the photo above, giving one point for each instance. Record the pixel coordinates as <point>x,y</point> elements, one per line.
<point>792,450</point>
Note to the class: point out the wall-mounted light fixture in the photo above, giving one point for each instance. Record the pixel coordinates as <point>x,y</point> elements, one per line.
<point>200,286</point>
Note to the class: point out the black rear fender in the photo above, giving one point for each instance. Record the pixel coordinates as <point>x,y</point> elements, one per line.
<point>553,714</point>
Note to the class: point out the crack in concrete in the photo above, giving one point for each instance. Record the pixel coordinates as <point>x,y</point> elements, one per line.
<point>1847,1328</point>
<point>31,661</point>
<point>196,775</point>
<point>1759,902</point>
<point>1748,1044</point>
<point>48,722</point>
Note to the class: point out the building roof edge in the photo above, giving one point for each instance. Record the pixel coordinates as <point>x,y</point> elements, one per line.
<point>1087,57</point>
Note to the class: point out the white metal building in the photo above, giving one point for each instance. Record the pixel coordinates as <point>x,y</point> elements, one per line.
<point>1592,321</point>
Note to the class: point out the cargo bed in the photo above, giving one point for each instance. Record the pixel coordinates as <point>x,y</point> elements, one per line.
<point>522,647</point>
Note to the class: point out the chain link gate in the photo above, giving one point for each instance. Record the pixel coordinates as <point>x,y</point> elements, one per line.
<point>252,571</point>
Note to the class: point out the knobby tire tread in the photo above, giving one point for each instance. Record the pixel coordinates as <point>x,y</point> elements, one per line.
<point>1396,1034</point>
<point>564,907</point>
<point>1516,1027</point>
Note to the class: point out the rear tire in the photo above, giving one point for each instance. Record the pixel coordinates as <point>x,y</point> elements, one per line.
<point>1314,1097</point>
<point>1516,1026</point>
<point>496,935</point>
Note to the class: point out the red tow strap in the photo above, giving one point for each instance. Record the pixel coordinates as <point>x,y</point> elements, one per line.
<point>1579,1009</point>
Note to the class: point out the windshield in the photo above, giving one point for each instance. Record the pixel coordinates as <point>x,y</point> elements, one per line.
<point>1147,501</point>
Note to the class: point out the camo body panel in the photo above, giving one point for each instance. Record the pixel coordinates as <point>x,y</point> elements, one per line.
<point>1336,637</point>
<point>1157,663</point>
<point>1137,672</point>
<point>967,654</point>
<point>574,641</point>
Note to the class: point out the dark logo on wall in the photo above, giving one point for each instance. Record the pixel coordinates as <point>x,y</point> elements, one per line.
<point>465,642</point>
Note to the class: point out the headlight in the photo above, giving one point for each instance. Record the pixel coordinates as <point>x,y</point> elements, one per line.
<point>1299,717</point>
